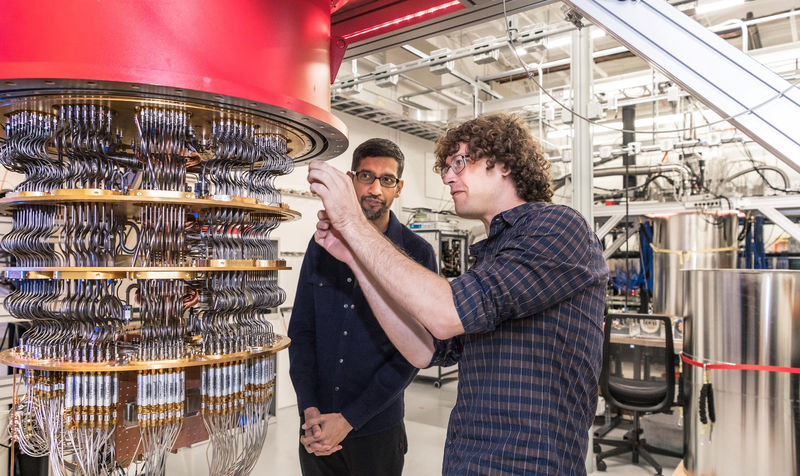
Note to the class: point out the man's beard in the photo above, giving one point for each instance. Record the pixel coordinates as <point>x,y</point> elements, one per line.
<point>374,214</point>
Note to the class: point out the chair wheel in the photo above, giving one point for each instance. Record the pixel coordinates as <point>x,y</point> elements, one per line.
<point>596,448</point>
<point>601,465</point>
<point>436,384</point>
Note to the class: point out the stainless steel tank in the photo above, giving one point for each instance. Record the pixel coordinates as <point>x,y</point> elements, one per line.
<point>692,240</point>
<point>743,317</point>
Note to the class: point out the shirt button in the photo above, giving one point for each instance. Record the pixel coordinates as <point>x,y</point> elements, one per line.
<point>335,389</point>
<point>320,284</point>
<point>345,306</point>
<point>352,306</point>
<point>341,361</point>
<point>349,280</point>
<point>345,333</point>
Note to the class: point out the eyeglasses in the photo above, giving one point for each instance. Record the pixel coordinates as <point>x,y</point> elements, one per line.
<point>457,164</point>
<point>368,178</point>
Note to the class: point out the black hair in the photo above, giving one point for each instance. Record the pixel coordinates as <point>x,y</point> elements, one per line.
<point>377,147</point>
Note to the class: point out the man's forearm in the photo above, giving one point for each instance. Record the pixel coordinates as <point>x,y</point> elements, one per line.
<point>406,333</point>
<point>403,284</point>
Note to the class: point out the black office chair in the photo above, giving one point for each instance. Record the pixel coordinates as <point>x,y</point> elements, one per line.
<point>646,385</point>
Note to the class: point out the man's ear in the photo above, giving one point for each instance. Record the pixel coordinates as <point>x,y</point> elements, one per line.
<point>350,174</point>
<point>398,188</point>
<point>505,171</point>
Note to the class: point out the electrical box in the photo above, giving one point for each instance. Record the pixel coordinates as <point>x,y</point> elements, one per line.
<point>482,52</point>
<point>594,110</point>
<point>442,68</point>
<point>386,81</point>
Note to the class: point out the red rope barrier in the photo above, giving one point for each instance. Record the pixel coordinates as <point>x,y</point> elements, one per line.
<point>761,368</point>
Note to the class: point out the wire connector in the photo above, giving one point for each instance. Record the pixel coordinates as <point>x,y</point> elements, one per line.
<point>573,16</point>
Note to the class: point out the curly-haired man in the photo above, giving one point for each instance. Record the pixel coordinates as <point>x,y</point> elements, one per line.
<point>524,323</point>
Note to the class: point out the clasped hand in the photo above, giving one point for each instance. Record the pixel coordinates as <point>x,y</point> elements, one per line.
<point>323,432</point>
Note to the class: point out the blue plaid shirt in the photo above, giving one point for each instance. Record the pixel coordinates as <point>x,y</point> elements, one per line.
<point>529,360</point>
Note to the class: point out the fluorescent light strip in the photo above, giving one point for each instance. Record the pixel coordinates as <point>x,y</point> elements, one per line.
<point>412,16</point>
<point>563,40</point>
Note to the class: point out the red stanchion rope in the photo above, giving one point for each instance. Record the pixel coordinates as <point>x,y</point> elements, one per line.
<point>760,368</point>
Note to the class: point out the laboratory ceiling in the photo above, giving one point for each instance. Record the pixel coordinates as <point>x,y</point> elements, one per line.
<point>459,64</point>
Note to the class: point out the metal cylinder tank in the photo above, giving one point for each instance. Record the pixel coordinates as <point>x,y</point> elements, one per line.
<point>744,325</point>
<point>692,240</point>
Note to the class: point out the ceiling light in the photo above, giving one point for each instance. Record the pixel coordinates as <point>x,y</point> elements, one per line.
<point>407,18</point>
<point>708,7</point>
<point>557,41</point>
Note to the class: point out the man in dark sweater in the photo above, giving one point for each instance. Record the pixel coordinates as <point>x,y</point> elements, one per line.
<point>346,372</point>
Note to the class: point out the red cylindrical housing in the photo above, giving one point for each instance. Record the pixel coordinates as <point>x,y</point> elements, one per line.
<point>274,53</point>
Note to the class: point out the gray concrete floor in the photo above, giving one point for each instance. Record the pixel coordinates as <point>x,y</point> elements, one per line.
<point>427,413</point>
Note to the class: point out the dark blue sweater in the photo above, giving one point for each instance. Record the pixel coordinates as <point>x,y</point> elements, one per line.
<point>341,361</point>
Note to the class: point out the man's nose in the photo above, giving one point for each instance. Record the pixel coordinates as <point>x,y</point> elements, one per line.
<point>375,188</point>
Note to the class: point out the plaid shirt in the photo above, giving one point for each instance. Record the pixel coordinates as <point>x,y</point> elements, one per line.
<point>529,361</point>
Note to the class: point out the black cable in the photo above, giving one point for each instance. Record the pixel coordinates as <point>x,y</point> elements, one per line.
<point>619,193</point>
<point>760,174</point>
<point>706,404</point>
<point>703,187</point>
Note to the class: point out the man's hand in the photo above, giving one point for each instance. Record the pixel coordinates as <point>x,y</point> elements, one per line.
<point>338,196</point>
<point>332,240</point>
<point>333,429</point>
<point>311,433</point>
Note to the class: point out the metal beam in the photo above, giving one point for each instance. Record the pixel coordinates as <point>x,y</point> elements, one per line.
<point>616,245</point>
<point>782,221</point>
<point>474,13</point>
<point>789,205</point>
<point>463,77</point>
<point>609,225</point>
<point>582,192</point>
<point>757,100</point>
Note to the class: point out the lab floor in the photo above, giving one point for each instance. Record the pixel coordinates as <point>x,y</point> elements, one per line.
<point>427,412</point>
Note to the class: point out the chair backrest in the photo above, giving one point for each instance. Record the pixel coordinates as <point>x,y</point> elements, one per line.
<point>638,367</point>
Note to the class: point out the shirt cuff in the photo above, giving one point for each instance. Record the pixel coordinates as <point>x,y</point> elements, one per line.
<point>469,299</point>
<point>352,417</point>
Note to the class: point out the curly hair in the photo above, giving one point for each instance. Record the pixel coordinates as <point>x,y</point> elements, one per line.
<point>503,138</point>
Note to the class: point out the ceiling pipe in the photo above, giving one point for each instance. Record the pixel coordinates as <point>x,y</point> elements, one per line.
<point>784,176</point>
<point>684,171</point>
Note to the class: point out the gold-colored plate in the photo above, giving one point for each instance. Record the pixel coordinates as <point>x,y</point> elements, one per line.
<point>26,194</point>
<point>161,194</point>
<point>271,263</point>
<point>138,272</point>
<point>12,358</point>
<point>84,192</point>
<point>232,198</point>
<point>162,274</point>
<point>86,274</point>
<point>149,197</point>
<point>227,263</point>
